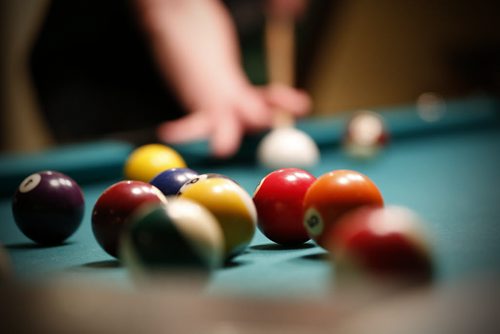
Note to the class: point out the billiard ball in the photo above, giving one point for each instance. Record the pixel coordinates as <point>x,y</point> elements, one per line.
<point>431,107</point>
<point>366,134</point>
<point>379,243</point>
<point>147,161</point>
<point>171,180</point>
<point>182,236</point>
<point>278,200</point>
<point>115,205</point>
<point>334,194</point>
<point>48,207</point>
<point>287,147</point>
<point>231,205</point>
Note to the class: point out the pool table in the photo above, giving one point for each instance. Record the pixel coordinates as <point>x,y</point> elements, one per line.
<point>445,169</point>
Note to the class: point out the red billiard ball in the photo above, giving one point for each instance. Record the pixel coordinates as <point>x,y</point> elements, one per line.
<point>171,180</point>
<point>366,134</point>
<point>334,194</point>
<point>48,207</point>
<point>278,200</point>
<point>115,205</point>
<point>387,242</point>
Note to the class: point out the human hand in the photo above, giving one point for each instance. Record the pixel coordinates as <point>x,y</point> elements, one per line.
<point>225,118</point>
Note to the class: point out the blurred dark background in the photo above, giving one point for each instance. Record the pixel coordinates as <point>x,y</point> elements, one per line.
<point>76,70</point>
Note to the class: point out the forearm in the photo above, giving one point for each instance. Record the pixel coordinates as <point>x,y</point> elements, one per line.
<point>196,47</point>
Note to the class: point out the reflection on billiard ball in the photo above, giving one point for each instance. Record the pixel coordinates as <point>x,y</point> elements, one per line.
<point>147,161</point>
<point>334,194</point>
<point>230,204</point>
<point>379,243</point>
<point>48,207</point>
<point>171,180</point>
<point>287,147</point>
<point>114,207</point>
<point>365,135</point>
<point>278,200</point>
<point>181,236</point>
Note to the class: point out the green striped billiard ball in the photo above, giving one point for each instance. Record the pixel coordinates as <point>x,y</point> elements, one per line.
<point>179,236</point>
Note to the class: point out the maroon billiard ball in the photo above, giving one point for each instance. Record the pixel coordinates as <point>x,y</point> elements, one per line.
<point>48,207</point>
<point>365,135</point>
<point>115,205</point>
<point>387,242</point>
<point>278,200</point>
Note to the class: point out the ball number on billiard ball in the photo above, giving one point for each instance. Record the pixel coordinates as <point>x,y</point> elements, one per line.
<point>278,200</point>
<point>48,207</point>
<point>170,181</point>
<point>115,205</point>
<point>366,134</point>
<point>334,194</point>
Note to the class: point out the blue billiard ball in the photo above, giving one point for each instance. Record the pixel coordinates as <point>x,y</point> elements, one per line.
<point>171,180</point>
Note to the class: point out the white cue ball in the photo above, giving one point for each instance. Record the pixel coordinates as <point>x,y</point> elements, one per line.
<point>287,147</point>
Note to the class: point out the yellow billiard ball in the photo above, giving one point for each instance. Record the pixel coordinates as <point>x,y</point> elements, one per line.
<point>231,205</point>
<point>147,161</point>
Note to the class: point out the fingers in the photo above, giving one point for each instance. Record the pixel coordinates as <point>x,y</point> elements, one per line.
<point>227,133</point>
<point>288,99</point>
<point>225,125</point>
<point>195,126</point>
<point>223,128</point>
<point>254,111</point>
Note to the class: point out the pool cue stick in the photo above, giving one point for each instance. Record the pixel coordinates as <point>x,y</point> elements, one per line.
<point>280,47</point>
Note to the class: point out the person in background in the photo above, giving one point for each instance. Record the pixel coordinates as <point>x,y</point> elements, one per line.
<point>94,70</point>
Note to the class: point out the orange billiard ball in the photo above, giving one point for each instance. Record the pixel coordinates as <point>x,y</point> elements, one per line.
<point>334,194</point>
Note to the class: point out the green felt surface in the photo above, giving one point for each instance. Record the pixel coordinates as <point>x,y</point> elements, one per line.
<point>448,176</point>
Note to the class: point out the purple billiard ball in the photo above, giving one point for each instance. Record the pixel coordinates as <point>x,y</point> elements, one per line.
<point>48,207</point>
<point>170,181</point>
